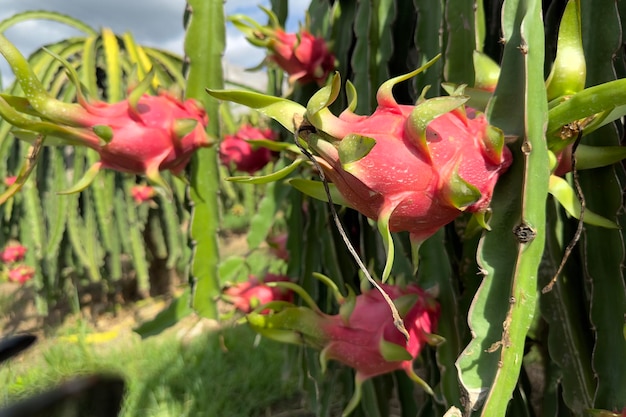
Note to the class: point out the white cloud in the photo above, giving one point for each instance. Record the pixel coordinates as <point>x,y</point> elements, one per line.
<point>240,52</point>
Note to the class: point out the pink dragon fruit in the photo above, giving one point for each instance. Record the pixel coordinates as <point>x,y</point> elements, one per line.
<point>21,274</point>
<point>412,168</point>
<point>12,253</point>
<point>142,193</point>
<point>235,149</point>
<point>142,134</point>
<point>305,57</point>
<point>278,246</point>
<point>363,335</point>
<point>156,133</point>
<point>356,342</point>
<point>416,167</point>
<point>250,294</point>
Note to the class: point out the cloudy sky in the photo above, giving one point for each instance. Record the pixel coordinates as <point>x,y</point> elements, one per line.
<point>152,22</point>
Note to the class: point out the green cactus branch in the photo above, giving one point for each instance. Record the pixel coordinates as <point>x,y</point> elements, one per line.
<point>204,46</point>
<point>602,250</point>
<point>509,254</point>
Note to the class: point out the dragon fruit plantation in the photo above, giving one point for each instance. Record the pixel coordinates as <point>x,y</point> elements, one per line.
<point>419,213</point>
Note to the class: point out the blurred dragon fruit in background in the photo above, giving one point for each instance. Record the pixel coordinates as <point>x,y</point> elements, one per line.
<point>253,293</point>
<point>305,57</point>
<point>13,252</point>
<point>21,274</point>
<point>244,156</point>
<point>142,193</point>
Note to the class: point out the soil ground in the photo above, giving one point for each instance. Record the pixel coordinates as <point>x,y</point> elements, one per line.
<point>125,308</point>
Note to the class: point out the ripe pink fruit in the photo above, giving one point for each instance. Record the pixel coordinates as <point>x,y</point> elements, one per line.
<point>363,335</point>
<point>419,166</point>
<point>9,181</point>
<point>142,134</point>
<point>142,193</point>
<point>13,253</point>
<point>21,273</point>
<point>303,56</point>
<point>234,149</point>
<point>250,294</point>
<point>357,341</point>
<point>148,137</point>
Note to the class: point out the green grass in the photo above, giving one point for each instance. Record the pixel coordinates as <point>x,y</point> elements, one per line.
<point>218,374</point>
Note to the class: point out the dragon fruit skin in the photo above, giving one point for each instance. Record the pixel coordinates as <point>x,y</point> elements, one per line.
<point>13,253</point>
<point>142,193</point>
<point>363,335</point>
<point>422,179</point>
<point>247,295</point>
<point>234,149</point>
<point>142,134</point>
<point>144,138</point>
<point>304,57</point>
<point>356,343</point>
<point>21,274</point>
<point>278,246</point>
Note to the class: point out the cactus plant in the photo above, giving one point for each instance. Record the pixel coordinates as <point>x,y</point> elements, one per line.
<point>51,224</point>
<point>502,294</point>
<point>519,121</point>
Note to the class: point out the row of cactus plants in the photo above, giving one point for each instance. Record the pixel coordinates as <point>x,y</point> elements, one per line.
<point>148,239</point>
<point>117,226</point>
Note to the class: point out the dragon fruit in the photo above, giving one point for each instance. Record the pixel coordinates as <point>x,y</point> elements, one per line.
<point>278,246</point>
<point>12,253</point>
<point>305,57</point>
<point>250,294</point>
<point>411,168</point>
<point>143,134</point>
<point>156,133</point>
<point>21,274</point>
<point>363,335</point>
<point>142,193</point>
<point>235,149</point>
<point>362,341</point>
<point>415,167</point>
